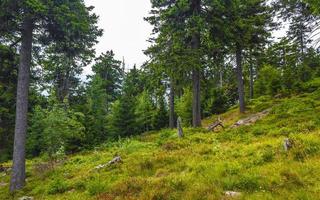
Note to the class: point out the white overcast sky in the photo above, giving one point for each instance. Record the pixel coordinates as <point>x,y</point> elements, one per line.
<point>125,31</point>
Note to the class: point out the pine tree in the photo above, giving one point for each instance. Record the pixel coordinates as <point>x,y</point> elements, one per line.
<point>177,46</point>
<point>246,23</point>
<point>302,22</point>
<point>44,22</point>
<point>8,78</point>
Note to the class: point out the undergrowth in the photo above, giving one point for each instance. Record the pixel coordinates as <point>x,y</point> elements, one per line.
<point>202,165</point>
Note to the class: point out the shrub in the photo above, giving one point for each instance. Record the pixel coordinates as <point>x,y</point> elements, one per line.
<point>55,130</point>
<point>177,184</point>
<point>312,85</point>
<point>57,186</point>
<point>248,183</point>
<point>291,178</point>
<point>95,187</point>
<point>217,102</point>
<point>269,81</point>
<point>146,165</point>
<point>184,107</point>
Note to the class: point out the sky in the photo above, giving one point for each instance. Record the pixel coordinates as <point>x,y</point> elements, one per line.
<point>125,31</point>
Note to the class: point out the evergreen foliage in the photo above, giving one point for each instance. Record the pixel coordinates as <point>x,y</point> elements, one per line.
<point>206,58</point>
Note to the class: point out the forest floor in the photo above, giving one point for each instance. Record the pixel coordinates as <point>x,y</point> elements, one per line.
<point>249,160</point>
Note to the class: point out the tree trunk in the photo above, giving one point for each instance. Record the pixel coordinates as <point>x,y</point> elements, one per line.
<point>179,127</point>
<point>18,167</point>
<point>196,104</point>
<point>63,85</point>
<point>251,81</point>
<point>171,104</point>
<point>195,45</point>
<point>240,79</point>
<point>221,77</point>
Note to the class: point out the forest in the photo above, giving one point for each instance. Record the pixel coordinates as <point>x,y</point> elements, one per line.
<point>208,61</point>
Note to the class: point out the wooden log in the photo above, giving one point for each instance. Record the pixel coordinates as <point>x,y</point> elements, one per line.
<point>115,160</point>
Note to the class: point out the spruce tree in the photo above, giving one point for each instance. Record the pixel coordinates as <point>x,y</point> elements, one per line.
<point>44,22</point>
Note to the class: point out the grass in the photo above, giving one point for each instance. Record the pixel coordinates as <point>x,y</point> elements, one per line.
<point>202,165</point>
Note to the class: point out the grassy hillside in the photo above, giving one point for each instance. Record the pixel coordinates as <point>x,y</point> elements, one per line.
<point>202,165</point>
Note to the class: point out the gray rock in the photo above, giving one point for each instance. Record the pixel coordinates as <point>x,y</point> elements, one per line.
<point>179,126</point>
<point>25,198</point>
<point>232,194</point>
<point>287,144</point>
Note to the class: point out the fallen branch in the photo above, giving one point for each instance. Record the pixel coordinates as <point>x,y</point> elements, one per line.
<point>215,124</point>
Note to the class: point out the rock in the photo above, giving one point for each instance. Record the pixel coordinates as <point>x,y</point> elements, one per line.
<point>179,126</point>
<point>287,144</point>
<point>232,194</point>
<point>25,198</point>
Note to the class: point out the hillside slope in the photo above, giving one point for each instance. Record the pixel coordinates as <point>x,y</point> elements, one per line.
<point>202,165</point>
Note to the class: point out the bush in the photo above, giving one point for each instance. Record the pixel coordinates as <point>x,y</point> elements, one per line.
<point>145,112</point>
<point>57,186</point>
<point>312,85</point>
<point>247,183</point>
<point>184,107</point>
<point>55,130</point>
<point>217,103</point>
<point>95,187</point>
<point>269,81</point>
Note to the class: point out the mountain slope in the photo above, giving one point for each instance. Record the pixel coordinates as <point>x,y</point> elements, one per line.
<point>202,165</point>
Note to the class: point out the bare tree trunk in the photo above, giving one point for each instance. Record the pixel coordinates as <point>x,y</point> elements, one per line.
<point>195,44</point>
<point>63,85</point>
<point>221,77</point>
<point>18,167</point>
<point>171,104</point>
<point>251,81</point>
<point>196,104</point>
<point>240,79</point>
